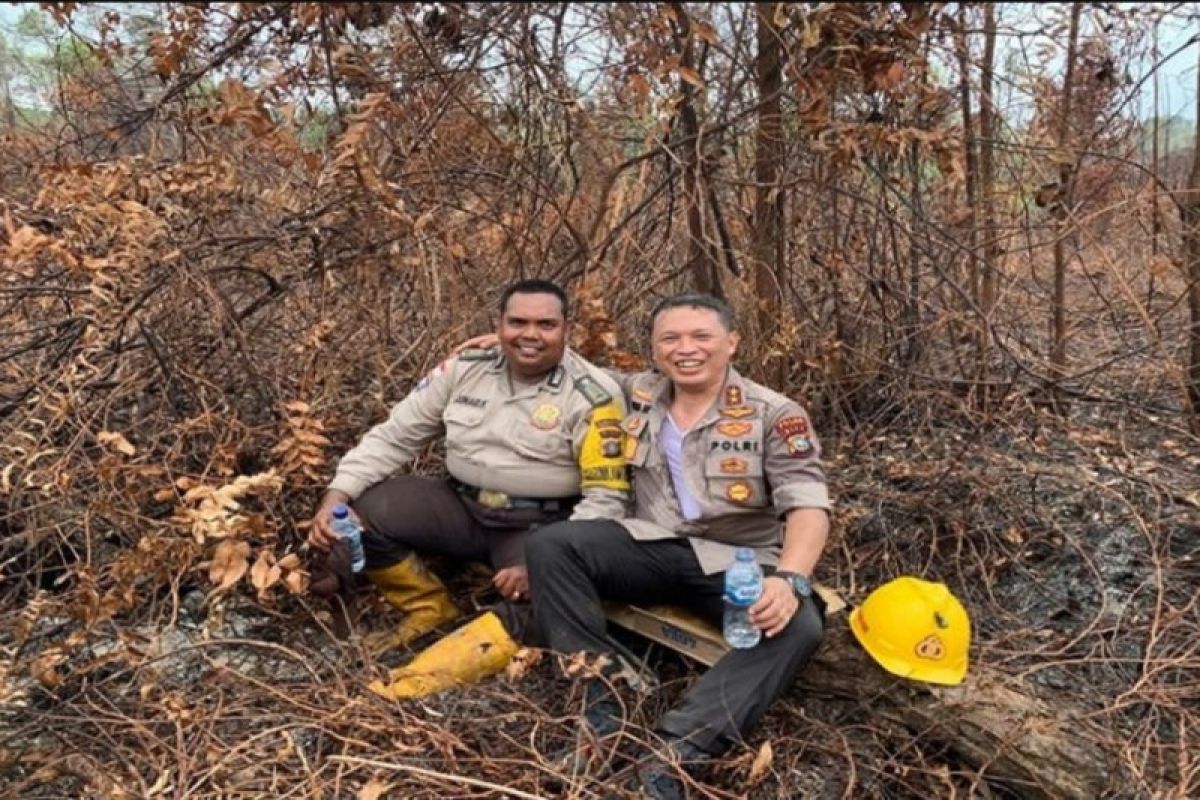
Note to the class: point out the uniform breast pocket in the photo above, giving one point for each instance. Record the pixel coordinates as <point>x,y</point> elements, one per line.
<point>461,420</point>
<point>736,478</point>
<point>539,445</point>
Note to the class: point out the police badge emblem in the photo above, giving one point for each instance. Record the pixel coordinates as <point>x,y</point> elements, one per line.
<point>545,417</point>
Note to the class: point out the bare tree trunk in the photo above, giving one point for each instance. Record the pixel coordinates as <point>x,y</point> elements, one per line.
<point>1155,213</point>
<point>10,106</point>
<point>971,162</point>
<point>1058,353</point>
<point>987,163</point>
<point>702,254</point>
<point>770,241</point>
<point>1190,208</point>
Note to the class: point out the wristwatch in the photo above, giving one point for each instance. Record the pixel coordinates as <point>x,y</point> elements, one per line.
<point>800,584</point>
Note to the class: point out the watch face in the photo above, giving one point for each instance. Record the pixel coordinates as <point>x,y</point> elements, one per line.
<point>801,586</point>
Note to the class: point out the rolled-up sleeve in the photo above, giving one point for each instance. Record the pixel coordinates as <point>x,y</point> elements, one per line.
<point>793,461</point>
<point>603,472</point>
<point>413,423</point>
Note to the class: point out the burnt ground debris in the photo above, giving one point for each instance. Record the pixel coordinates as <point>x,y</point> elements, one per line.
<point>1073,542</point>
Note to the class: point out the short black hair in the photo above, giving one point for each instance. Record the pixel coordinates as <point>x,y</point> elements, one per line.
<point>696,300</point>
<point>535,286</point>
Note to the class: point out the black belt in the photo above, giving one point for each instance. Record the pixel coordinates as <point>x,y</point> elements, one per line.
<point>501,501</point>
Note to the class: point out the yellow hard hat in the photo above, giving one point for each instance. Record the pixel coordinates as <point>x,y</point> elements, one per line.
<point>915,629</point>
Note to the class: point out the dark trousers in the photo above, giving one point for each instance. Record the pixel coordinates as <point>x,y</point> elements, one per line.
<point>414,513</point>
<point>574,566</point>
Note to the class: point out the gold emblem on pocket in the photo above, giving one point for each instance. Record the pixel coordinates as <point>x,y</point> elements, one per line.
<point>739,491</point>
<point>734,466</point>
<point>545,417</point>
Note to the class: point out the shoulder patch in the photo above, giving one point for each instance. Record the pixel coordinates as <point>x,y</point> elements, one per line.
<point>478,354</point>
<point>590,388</point>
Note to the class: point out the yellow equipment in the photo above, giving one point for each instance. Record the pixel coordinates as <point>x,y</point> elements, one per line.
<point>473,652</point>
<point>915,629</point>
<point>410,587</point>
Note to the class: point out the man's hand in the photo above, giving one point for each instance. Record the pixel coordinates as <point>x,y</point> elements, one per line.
<point>320,533</point>
<point>775,609</point>
<point>484,341</point>
<point>512,582</point>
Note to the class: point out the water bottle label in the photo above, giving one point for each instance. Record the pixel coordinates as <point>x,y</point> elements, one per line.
<point>744,595</point>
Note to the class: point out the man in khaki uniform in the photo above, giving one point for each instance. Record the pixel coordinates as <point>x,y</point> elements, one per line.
<point>531,436</point>
<point>717,462</point>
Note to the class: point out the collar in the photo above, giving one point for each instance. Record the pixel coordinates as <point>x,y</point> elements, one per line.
<point>649,391</point>
<point>553,383</point>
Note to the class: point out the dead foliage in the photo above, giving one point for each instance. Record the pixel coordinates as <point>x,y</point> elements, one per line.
<point>247,229</point>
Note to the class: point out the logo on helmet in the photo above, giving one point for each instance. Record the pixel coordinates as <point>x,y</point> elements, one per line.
<point>930,648</point>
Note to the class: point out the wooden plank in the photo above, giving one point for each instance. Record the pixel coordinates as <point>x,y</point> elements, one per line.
<point>688,633</point>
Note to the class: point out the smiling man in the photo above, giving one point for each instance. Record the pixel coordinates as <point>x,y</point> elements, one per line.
<point>531,436</point>
<point>717,462</point>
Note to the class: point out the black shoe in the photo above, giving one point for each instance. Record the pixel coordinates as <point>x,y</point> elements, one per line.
<point>659,776</point>
<point>602,711</point>
<point>593,752</point>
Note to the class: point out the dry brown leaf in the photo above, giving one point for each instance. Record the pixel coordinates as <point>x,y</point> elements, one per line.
<point>116,441</point>
<point>373,789</point>
<point>230,562</point>
<point>1015,535</point>
<point>704,31</point>
<point>691,76</point>
<point>44,668</point>
<point>290,561</point>
<point>762,763</point>
<point>265,573</point>
<point>524,660</point>
<point>891,77</point>
<point>811,36</point>
<point>296,581</point>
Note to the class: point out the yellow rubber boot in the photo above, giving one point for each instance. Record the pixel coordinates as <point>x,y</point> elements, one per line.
<point>473,652</point>
<point>410,587</point>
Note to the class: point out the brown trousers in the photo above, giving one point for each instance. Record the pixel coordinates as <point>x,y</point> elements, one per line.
<point>412,513</point>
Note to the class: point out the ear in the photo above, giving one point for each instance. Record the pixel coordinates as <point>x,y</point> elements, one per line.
<point>735,339</point>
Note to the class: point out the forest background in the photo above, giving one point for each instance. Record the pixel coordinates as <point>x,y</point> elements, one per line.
<point>966,236</point>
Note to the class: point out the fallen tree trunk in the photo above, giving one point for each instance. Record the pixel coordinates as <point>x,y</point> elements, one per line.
<point>1011,737</point>
<point>990,722</point>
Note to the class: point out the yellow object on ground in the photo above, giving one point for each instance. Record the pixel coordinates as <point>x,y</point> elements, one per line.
<point>915,629</point>
<point>472,653</point>
<point>411,588</point>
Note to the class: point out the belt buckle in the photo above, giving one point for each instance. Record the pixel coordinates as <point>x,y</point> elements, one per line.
<point>492,499</point>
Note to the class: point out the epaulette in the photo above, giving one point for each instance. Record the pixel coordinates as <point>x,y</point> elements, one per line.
<point>478,354</point>
<point>590,388</point>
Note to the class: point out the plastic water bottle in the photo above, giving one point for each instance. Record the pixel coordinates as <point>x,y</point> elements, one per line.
<point>346,527</point>
<point>743,587</point>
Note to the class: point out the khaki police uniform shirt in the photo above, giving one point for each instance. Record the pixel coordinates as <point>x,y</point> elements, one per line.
<point>556,438</point>
<point>752,458</point>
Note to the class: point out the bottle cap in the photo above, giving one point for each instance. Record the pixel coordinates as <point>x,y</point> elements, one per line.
<point>340,511</point>
<point>745,554</point>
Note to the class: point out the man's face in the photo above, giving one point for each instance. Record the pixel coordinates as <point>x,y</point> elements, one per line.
<point>692,347</point>
<point>533,333</point>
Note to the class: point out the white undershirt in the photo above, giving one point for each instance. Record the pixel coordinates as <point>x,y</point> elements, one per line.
<point>671,439</point>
